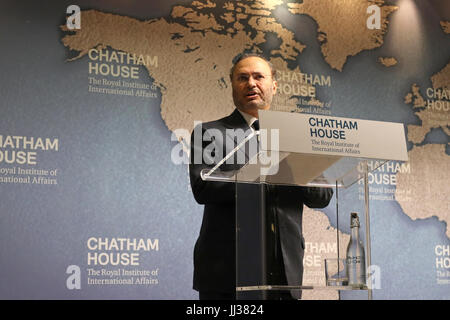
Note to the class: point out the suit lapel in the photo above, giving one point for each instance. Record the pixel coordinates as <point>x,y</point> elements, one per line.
<point>236,121</point>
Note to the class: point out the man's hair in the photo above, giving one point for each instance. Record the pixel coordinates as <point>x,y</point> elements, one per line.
<point>248,55</point>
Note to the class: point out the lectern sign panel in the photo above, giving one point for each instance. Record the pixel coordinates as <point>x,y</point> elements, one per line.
<point>314,134</point>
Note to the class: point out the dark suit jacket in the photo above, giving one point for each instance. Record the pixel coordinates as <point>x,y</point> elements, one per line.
<point>214,253</point>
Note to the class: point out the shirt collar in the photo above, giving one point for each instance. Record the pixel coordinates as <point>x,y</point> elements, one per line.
<point>249,118</point>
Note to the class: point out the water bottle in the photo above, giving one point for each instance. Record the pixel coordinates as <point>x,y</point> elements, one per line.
<point>356,259</point>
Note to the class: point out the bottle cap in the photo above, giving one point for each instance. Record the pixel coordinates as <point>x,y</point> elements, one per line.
<point>354,220</point>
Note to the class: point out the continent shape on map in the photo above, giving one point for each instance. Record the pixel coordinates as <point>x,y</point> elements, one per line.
<point>320,244</point>
<point>342,27</point>
<point>434,111</point>
<point>194,46</point>
<point>184,56</point>
<point>427,184</point>
<point>196,42</point>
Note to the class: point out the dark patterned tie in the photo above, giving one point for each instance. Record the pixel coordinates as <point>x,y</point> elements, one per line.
<point>255,125</point>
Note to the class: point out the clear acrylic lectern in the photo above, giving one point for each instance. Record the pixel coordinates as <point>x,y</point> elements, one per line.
<point>256,229</point>
<point>256,225</point>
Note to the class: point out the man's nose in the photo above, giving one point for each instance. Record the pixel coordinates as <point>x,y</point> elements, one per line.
<point>251,82</point>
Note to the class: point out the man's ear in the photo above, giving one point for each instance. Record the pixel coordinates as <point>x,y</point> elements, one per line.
<point>274,86</point>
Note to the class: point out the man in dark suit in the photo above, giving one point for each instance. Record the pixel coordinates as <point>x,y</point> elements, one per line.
<point>253,85</point>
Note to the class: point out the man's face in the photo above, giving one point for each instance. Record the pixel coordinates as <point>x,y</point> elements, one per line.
<point>253,85</point>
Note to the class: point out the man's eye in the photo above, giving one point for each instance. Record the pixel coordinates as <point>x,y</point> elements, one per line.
<point>259,77</point>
